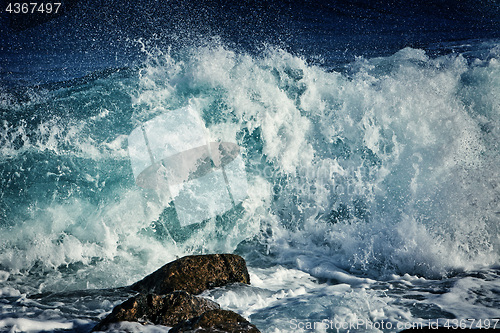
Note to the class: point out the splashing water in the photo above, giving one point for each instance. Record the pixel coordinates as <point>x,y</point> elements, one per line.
<point>388,167</point>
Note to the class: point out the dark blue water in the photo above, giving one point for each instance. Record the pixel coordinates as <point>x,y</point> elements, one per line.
<point>87,36</point>
<point>368,135</point>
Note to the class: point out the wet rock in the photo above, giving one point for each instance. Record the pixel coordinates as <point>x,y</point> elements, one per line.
<point>166,296</point>
<point>165,310</point>
<point>195,274</point>
<point>216,321</point>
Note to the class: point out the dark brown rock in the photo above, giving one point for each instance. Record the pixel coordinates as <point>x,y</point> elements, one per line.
<point>195,274</point>
<point>165,310</point>
<point>216,321</point>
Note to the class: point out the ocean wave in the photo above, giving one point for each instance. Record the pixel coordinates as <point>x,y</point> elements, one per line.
<point>387,167</point>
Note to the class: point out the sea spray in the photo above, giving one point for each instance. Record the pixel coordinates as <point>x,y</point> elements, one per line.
<point>379,165</point>
<point>385,168</point>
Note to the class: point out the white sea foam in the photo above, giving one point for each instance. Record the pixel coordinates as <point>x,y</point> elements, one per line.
<point>388,171</point>
<point>291,300</point>
<point>9,292</point>
<point>133,327</point>
<point>481,295</point>
<point>4,276</point>
<point>28,325</point>
<point>382,169</point>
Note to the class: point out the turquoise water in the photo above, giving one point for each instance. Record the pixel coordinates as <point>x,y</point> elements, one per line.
<point>372,190</point>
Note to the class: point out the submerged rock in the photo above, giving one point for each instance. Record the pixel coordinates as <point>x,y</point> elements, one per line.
<point>165,310</point>
<point>195,274</point>
<point>216,321</point>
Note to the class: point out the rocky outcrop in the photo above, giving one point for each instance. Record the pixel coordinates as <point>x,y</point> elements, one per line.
<point>166,296</point>
<point>216,321</point>
<point>155,309</point>
<point>195,274</point>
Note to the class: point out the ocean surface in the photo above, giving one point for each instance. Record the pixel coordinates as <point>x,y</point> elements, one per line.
<point>367,197</point>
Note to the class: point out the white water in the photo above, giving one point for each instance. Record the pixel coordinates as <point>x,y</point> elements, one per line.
<point>384,175</point>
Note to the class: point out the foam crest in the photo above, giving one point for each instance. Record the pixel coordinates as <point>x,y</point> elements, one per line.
<point>386,168</point>
<point>354,158</point>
